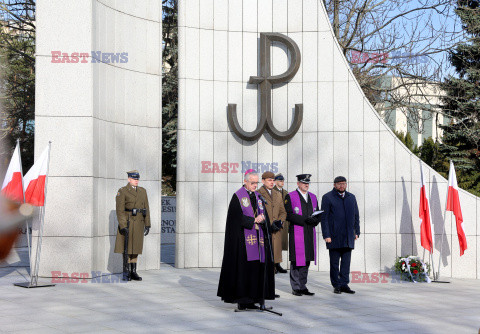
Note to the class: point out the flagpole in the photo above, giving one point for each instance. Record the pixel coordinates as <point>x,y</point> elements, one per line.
<point>26,220</point>
<point>34,278</point>
<point>42,219</point>
<point>432,235</point>
<point>443,232</point>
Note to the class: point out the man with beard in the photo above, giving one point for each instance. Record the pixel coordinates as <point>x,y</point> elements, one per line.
<point>340,229</point>
<point>247,275</point>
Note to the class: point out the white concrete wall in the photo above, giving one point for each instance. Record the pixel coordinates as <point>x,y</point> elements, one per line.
<point>341,134</point>
<point>103,119</point>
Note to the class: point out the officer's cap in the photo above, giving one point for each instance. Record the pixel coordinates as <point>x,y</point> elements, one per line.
<point>279,177</point>
<point>304,178</point>
<point>340,179</point>
<point>133,174</point>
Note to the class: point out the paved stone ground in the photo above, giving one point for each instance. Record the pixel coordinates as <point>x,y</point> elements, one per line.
<point>180,300</point>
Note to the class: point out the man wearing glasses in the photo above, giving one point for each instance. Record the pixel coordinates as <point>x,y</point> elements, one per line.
<point>340,228</point>
<point>247,275</point>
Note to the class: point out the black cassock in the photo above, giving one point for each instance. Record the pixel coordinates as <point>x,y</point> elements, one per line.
<point>241,281</point>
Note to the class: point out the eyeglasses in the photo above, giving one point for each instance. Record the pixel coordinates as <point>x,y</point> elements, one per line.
<point>342,183</point>
<point>252,182</point>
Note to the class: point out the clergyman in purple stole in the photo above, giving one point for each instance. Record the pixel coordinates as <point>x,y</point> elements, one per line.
<point>247,275</point>
<point>300,205</point>
<point>254,246</point>
<point>299,236</point>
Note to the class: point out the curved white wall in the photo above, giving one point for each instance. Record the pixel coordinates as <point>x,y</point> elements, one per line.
<point>341,134</point>
<point>103,119</point>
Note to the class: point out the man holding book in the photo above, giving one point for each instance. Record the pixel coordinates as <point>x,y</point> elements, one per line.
<point>301,205</point>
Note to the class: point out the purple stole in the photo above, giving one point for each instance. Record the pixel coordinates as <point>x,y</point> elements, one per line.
<point>255,250</point>
<point>298,230</point>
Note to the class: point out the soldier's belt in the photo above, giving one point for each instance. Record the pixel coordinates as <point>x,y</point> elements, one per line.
<point>135,211</point>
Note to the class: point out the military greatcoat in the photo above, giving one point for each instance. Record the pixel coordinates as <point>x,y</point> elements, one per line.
<point>130,198</point>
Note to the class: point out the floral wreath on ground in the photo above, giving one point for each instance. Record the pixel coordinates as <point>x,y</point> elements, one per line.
<point>413,269</point>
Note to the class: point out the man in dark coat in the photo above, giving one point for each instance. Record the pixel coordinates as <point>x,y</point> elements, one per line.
<point>340,229</point>
<point>300,204</point>
<point>279,183</point>
<point>247,274</point>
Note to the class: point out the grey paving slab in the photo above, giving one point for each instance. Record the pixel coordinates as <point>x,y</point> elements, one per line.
<point>184,300</point>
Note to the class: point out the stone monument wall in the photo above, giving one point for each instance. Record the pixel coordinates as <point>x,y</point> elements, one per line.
<point>341,134</point>
<point>103,118</point>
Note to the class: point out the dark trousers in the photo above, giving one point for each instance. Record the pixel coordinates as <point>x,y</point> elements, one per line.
<point>298,275</point>
<point>340,257</point>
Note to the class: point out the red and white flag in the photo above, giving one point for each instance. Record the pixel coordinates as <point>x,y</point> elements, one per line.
<point>12,187</point>
<point>34,180</point>
<point>453,204</point>
<point>424,214</point>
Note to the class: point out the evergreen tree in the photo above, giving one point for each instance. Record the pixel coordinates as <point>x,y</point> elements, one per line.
<point>169,94</point>
<point>461,138</point>
<point>17,66</point>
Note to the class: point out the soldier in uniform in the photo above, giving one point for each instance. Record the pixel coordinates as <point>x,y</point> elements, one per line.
<point>279,182</point>
<point>133,216</point>
<point>276,212</point>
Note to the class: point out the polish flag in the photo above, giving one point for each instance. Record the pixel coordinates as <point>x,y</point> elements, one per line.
<point>424,214</point>
<point>453,204</point>
<point>12,187</point>
<point>34,180</point>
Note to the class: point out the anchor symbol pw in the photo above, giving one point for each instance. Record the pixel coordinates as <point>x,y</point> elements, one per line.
<point>265,81</point>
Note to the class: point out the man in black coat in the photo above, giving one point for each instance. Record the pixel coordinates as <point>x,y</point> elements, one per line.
<point>247,274</point>
<point>340,228</point>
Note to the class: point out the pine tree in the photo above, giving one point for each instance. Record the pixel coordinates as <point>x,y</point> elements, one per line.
<point>169,94</point>
<point>17,84</point>
<point>461,138</point>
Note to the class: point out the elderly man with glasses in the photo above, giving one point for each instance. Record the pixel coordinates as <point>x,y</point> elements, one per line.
<point>247,275</point>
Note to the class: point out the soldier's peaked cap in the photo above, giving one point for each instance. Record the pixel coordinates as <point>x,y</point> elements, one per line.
<point>304,178</point>
<point>134,174</point>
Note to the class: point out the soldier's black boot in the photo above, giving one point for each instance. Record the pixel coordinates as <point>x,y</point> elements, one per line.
<point>133,272</point>
<point>126,272</point>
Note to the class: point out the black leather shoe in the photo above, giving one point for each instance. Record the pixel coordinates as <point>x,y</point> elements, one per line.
<point>133,272</point>
<point>277,296</point>
<point>347,289</point>
<point>279,269</point>
<point>337,290</point>
<point>307,293</point>
<point>296,292</point>
<point>126,276</point>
